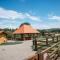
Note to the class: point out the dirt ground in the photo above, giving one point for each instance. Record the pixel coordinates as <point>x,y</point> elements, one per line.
<point>16,52</point>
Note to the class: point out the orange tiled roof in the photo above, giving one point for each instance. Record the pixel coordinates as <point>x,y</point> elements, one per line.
<point>25,29</point>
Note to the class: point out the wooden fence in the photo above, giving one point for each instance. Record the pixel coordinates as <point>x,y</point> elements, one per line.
<point>54,39</point>
<point>50,53</point>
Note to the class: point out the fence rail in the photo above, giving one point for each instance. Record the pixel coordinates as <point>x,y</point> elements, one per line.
<point>50,53</point>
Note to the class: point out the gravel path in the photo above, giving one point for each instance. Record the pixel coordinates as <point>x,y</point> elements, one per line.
<point>16,52</point>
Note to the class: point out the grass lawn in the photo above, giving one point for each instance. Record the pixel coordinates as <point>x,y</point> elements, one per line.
<point>12,43</point>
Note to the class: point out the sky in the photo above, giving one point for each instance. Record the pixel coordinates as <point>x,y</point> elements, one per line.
<point>41,14</point>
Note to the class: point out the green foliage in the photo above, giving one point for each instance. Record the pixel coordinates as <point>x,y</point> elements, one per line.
<point>9,35</point>
<point>12,43</point>
<point>42,32</point>
<point>8,30</point>
<point>26,23</point>
<point>53,30</point>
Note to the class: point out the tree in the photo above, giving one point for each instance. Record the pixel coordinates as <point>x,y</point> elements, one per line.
<point>26,23</point>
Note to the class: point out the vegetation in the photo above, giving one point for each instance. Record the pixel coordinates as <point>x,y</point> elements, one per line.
<point>52,30</point>
<point>8,32</point>
<point>26,23</point>
<point>42,32</point>
<point>12,43</point>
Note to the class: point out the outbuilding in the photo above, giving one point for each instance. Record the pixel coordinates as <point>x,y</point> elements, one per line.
<point>25,32</point>
<point>3,38</point>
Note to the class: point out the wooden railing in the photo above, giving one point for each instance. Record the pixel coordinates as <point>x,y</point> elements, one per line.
<point>52,39</point>
<point>50,53</point>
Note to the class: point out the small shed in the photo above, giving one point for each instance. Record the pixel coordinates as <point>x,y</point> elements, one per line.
<point>3,38</point>
<point>25,32</point>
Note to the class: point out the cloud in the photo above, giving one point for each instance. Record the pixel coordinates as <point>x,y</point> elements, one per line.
<point>11,14</point>
<point>8,26</point>
<point>12,19</point>
<point>46,26</point>
<point>32,17</point>
<point>40,26</point>
<point>54,17</point>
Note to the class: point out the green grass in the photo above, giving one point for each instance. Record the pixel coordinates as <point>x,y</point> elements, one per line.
<point>12,43</point>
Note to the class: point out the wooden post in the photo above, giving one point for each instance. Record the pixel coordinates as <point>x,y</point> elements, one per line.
<point>53,36</point>
<point>53,39</point>
<point>40,56</point>
<point>14,37</point>
<point>35,44</point>
<point>46,40</point>
<point>24,37</point>
<point>57,38</point>
<point>33,40</point>
<point>46,35</point>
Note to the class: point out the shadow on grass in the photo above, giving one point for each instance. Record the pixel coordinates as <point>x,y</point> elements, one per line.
<point>12,43</point>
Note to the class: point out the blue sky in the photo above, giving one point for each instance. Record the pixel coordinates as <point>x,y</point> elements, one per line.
<point>41,14</point>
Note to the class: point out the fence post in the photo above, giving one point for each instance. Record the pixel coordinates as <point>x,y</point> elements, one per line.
<point>53,36</point>
<point>57,38</point>
<point>46,40</point>
<point>35,44</point>
<point>40,56</point>
<point>53,39</point>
